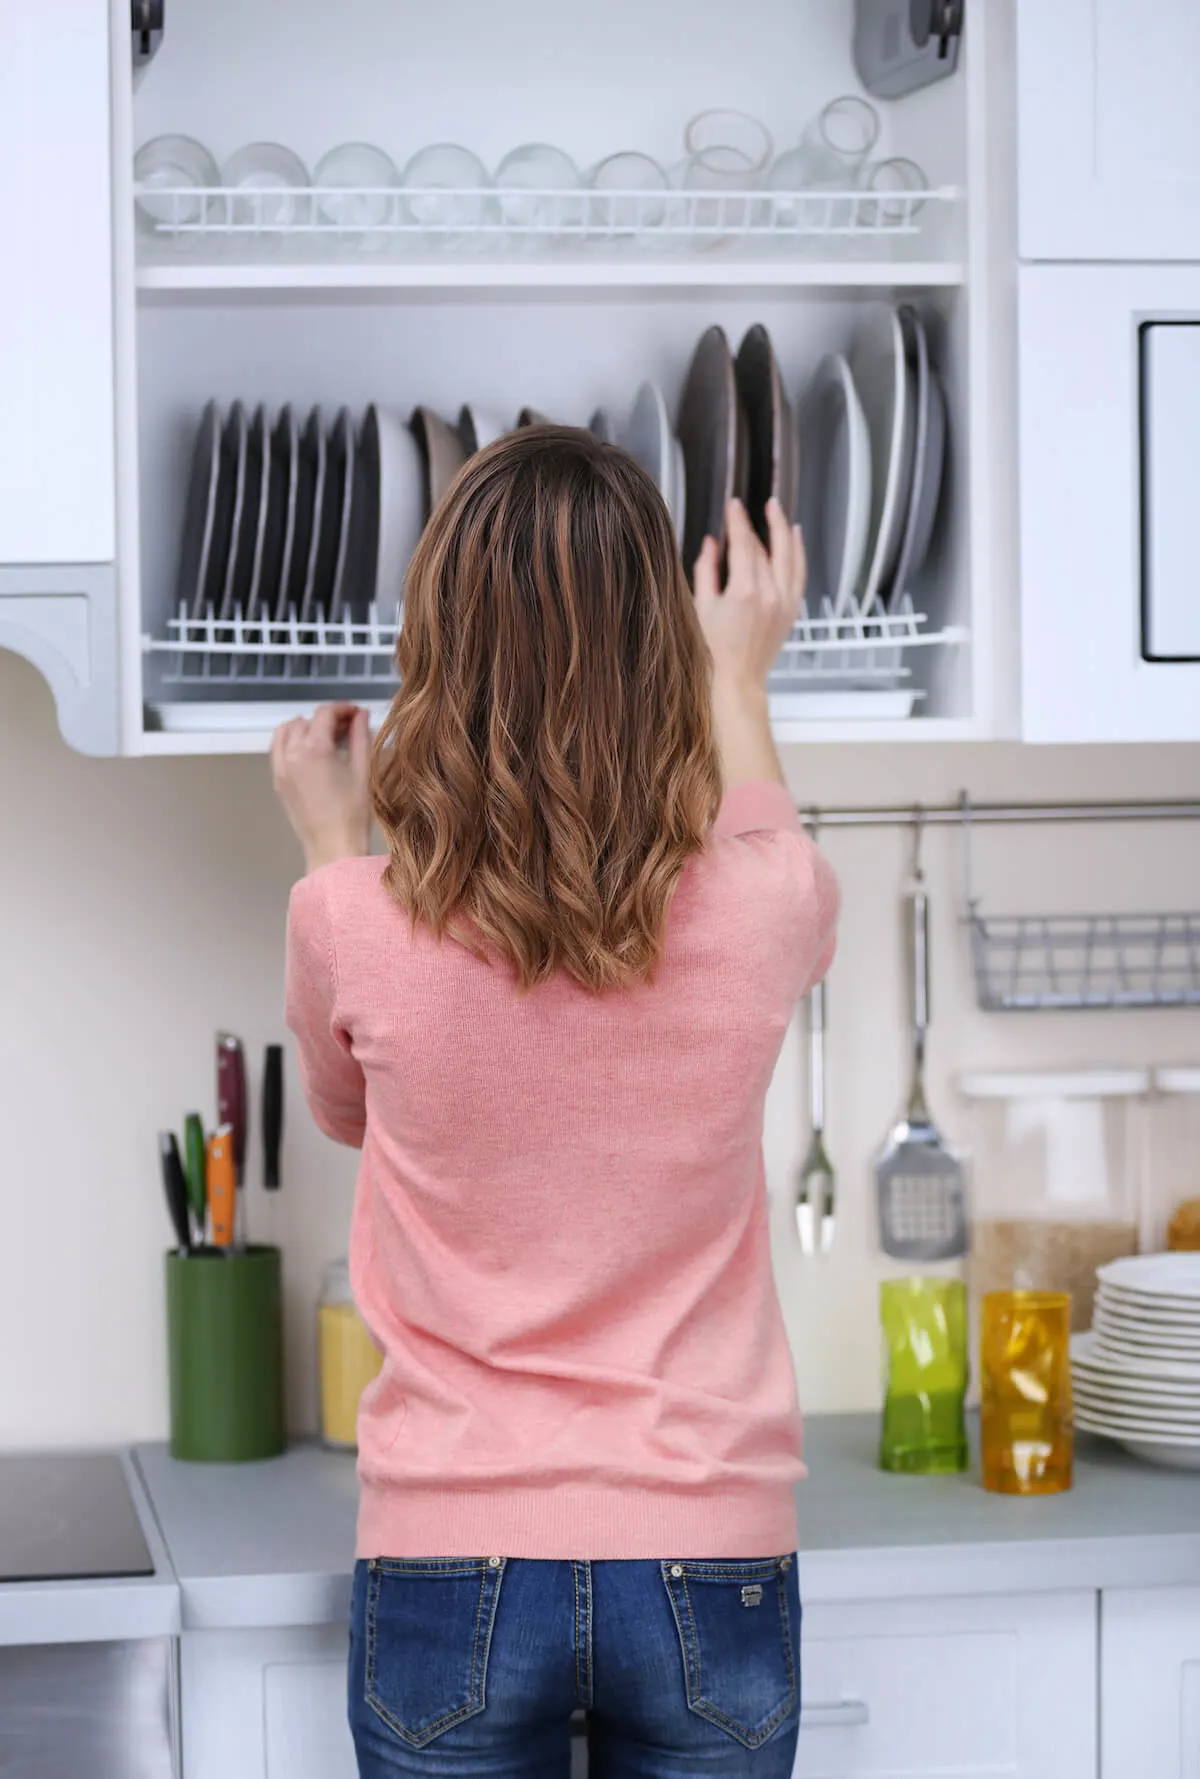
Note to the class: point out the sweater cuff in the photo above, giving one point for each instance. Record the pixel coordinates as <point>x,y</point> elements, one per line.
<point>756,807</point>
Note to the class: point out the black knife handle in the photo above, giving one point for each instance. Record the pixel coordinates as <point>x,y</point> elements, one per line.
<point>175,1187</point>
<point>272,1114</point>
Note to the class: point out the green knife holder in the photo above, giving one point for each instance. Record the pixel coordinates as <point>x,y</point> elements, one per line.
<point>225,1353</point>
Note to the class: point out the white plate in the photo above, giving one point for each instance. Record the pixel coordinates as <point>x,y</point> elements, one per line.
<point>1175,1312</point>
<point>928,462</point>
<point>1107,1387</point>
<point>835,486</point>
<point>1136,1405</point>
<point>647,437</point>
<point>1086,1351</point>
<point>886,386</point>
<point>1120,1340</point>
<point>678,501</point>
<point>1155,1275</point>
<point>1143,1426</point>
<point>401,505</point>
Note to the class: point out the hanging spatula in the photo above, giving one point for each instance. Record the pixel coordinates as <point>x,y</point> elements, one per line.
<point>921,1182</point>
<point>815,1181</point>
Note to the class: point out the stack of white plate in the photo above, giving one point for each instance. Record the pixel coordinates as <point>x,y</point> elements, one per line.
<point>1137,1374</point>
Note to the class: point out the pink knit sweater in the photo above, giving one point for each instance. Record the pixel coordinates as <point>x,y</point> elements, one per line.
<point>560,1234</point>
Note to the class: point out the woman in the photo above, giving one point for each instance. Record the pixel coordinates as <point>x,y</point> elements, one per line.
<point>549,1019</point>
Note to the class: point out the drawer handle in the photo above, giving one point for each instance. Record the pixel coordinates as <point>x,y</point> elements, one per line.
<point>838,1714</point>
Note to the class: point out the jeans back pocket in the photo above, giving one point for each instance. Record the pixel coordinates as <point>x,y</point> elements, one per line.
<point>739,1652</point>
<point>428,1630</point>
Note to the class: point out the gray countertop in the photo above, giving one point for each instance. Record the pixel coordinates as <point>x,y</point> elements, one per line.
<point>102,1609</point>
<point>273,1544</point>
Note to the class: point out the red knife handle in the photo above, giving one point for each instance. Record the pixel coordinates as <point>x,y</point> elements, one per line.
<point>232,1108</point>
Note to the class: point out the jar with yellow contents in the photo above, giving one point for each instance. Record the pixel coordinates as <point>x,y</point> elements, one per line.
<point>347,1358</point>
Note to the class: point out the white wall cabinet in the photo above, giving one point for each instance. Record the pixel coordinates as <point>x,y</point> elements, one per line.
<point>1109,601</point>
<point>127,335</point>
<point>57,378</point>
<point>1150,1684</point>
<point>1109,130</point>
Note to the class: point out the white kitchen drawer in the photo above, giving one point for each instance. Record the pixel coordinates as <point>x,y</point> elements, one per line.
<point>1109,129</point>
<point>1000,1688</point>
<point>265,1704</point>
<point>1150,1683</point>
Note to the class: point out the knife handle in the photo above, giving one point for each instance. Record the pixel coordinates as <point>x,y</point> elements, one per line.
<point>272,1114</point>
<point>222,1186</point>
<point>196,1159</point>
<point>175,1187</point>
<point>231,1096</point>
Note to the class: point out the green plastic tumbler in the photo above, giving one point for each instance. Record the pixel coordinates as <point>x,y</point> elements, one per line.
<point>225,1350</point>
<point>925,1330</point>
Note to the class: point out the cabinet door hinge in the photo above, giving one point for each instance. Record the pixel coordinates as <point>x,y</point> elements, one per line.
<point>147,28</point>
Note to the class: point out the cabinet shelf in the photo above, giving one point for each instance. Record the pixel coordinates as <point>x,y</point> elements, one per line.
<point>179,275</point>
<point>224,239</point>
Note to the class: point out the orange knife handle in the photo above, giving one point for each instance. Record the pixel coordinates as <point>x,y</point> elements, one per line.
<point>222,1186</point>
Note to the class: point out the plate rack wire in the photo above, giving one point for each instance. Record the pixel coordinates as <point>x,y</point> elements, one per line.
<point>346,223</point>
<point>1036,962</point>
<point>855,650</point>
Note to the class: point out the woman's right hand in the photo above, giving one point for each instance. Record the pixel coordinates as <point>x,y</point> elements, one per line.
<point>746,623</point>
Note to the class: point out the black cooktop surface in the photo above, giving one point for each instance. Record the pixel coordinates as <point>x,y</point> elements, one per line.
<point>68,1516</point>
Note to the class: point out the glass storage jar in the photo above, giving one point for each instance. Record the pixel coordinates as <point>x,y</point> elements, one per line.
<point>1055,1177</point>
<point>347,1358</point>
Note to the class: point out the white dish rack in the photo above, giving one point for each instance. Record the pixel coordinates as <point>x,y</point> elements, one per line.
<point>841,668</point>
<point>303,222</point>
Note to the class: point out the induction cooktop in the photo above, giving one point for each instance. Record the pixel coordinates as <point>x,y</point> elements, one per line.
<point>68,1516</point>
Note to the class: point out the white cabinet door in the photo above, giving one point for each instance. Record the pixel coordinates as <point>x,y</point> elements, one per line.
<point>1000,1688</point>
<point>1107,579</point>
<point>265,1704</point>
<point>1109,129</point>
<point>57,491</point>
<point>1150,1684</point>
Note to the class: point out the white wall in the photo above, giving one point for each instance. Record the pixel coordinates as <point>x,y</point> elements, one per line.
<point>142,907</point>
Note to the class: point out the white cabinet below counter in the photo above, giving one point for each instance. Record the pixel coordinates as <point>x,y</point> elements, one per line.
<point>1150,1683</point>
<point>994,1688</point>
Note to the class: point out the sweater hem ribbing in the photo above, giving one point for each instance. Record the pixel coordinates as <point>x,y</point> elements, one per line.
<point>576,1524</point>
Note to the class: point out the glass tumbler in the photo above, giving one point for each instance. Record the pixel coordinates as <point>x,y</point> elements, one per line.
<point>347,1358</point>
<point>925,1331</point>
<point>1025,1384</point>
<point>727,151</point>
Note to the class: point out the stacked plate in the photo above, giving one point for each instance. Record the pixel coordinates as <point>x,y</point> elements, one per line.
<point>1137,1374</point>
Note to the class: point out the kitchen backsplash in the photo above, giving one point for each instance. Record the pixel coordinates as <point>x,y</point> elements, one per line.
<point>142,904</point>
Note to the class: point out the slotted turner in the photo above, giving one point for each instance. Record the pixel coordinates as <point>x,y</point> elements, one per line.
<point>920,1181</point>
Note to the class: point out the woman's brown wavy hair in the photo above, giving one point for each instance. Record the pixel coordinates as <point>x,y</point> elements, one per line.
<point>548,766</point>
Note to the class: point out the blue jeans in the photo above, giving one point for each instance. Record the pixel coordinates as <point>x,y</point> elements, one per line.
<point>475,1667</point>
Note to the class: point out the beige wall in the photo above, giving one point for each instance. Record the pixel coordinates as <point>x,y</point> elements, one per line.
<point>142,906</point>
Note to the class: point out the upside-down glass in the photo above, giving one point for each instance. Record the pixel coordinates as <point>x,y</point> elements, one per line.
<point>726,151</point>
<point>894,179</point>
<point>628,185</point>
<point>181,165</point>
<point>356,183</point>
<point>545,173</point>
<point>445,186</point>
<point>1025,1387</point>
<point>272,185</point>
<point>925,1330</point>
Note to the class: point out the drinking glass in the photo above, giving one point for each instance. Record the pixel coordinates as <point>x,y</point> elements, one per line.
<point>530,181</point>
<point>1025,1381</point>
<point>355,182</point>
<point>726,151</point>
<point>628,175</point>
<point>925,1330</point>
<point>446,168</point>
<point>893,179</point>
<point>847,127</point>
<point>274,182</point>
<point>800,175</point>
<point>177,164</point>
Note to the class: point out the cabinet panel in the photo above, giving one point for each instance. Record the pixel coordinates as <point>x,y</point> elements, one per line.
<point>1109,131</point>
<point>266,1704</point>
<point>1083,668</point>
<point>981,1689</point>
<point>1150,1684</point>
<point>57,489</point>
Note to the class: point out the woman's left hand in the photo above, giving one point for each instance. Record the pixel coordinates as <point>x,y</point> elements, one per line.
<point>322,771</point>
